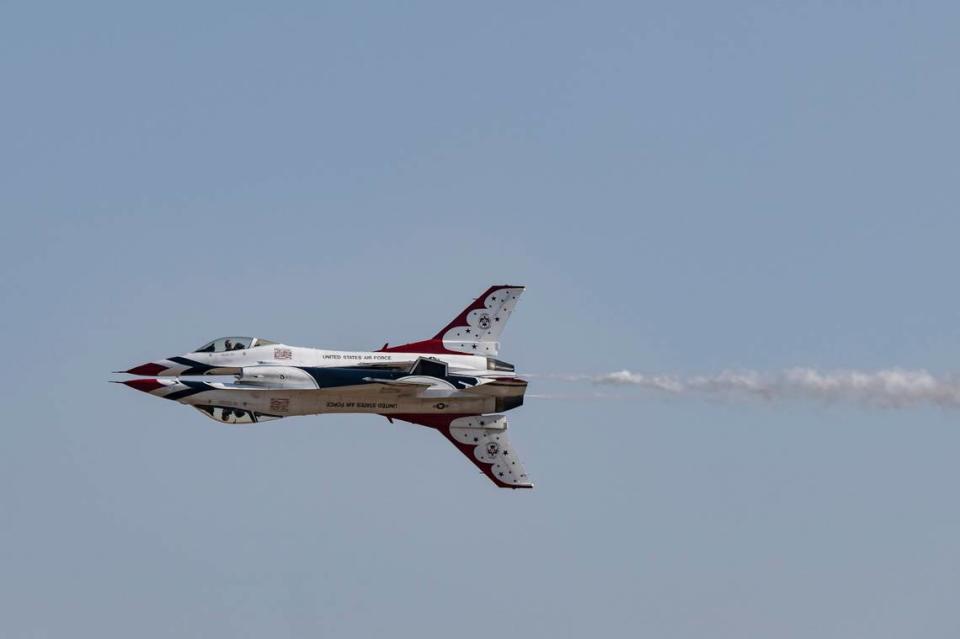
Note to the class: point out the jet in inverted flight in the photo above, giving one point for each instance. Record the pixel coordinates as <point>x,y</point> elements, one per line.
<point>452,382</point>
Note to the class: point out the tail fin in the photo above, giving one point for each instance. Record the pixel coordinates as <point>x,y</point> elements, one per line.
<point>476,330</point>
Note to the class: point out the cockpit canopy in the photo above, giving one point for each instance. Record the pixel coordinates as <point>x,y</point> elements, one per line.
<point>222,344</point>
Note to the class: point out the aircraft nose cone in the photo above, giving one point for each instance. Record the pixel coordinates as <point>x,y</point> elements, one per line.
<point>145,385</point>
<point>149,369</point>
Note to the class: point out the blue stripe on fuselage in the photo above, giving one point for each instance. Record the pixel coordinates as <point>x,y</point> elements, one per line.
<point>333,377</point>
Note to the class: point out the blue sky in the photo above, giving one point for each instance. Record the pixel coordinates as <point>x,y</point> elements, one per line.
<point>684,187</point>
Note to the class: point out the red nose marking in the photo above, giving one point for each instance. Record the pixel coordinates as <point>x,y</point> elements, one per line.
<point>145,385</point>
<point>147,369</point>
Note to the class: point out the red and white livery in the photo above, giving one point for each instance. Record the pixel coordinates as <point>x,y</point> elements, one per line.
<point>452,382</point>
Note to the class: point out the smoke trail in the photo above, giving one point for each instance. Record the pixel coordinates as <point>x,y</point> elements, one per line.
<point>889,388</point>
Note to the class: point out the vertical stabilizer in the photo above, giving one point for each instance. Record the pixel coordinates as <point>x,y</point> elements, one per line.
<point>476,330</point>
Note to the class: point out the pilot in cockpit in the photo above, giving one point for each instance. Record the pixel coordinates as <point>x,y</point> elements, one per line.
<point>228,345</point>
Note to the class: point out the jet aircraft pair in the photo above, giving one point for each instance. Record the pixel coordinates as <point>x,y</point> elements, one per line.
<point>452,382</point>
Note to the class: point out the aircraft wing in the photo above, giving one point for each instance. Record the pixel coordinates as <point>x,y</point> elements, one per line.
<point>483,439</point>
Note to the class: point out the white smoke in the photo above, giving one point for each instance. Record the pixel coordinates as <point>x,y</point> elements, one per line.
<point>889,388</point>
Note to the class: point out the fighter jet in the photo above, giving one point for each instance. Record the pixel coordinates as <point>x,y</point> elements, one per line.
<point>452,382</point>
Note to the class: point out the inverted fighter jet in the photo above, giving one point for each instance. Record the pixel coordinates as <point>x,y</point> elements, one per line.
<point>452,382</point>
